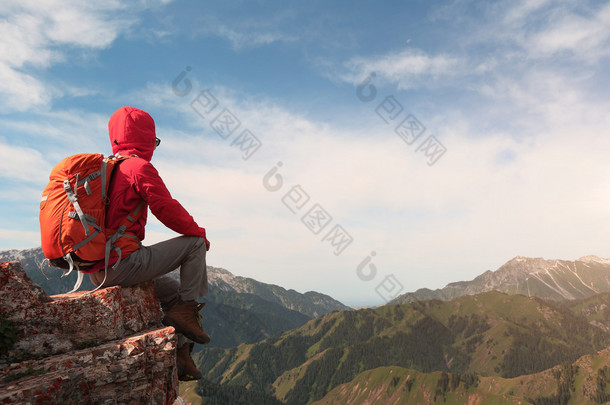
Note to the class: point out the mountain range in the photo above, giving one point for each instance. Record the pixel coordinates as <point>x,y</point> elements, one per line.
<point>534,331</point>
<point>238,309</point>
<point>49,278</point>
<point>550,279</point>
<point>490,334</point>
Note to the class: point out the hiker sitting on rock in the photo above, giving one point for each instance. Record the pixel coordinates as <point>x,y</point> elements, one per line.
<point>135,180</point>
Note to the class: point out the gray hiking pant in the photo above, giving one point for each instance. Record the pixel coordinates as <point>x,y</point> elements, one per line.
<point>153,262</point>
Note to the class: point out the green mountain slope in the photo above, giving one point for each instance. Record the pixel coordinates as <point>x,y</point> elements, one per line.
<point>586,381</point>
<point>595,309</point>
<point>233,318</point>
<point>492,334</point>
<point>397,385</point>
<point>550,279</point>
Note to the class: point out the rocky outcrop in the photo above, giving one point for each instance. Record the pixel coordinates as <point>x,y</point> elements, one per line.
<point>106,346</point>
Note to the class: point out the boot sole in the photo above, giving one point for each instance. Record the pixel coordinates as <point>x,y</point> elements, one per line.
<point>199,339</point>
<point>189,377</point>
<point>184,376</point>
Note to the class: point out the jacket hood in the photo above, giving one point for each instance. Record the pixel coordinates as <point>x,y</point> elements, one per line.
<point>132,132</point>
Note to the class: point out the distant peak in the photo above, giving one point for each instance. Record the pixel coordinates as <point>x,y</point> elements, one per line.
<point>219,270</point>
<point>588,258</point>
<point>593,258</point>
<point>520,259</point>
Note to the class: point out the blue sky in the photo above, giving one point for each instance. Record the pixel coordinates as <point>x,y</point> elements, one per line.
<point>481,135</point>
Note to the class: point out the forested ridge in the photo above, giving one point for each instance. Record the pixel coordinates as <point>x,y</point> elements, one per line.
<point>486,335</point>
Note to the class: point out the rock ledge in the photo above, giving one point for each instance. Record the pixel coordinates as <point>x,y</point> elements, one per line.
<point>103,347</point>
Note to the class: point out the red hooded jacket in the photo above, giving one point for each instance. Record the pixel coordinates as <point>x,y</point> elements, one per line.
<point>132,133</point>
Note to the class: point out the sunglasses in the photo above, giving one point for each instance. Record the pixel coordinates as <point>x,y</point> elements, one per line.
<point>157,142</point>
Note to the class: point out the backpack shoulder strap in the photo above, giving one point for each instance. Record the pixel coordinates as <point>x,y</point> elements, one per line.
<point>121,232</point>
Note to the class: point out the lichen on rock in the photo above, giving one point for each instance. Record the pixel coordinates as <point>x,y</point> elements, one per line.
<point>83,347</point>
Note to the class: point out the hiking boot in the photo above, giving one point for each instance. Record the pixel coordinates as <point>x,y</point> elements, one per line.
<point>185,317</point>
<point>187,370</point>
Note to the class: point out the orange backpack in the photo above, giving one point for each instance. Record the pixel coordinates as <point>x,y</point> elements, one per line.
<point>73,215</point>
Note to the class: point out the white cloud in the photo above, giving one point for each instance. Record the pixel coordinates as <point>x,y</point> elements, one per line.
<point>59,133</point>
<point>519,11</point>
<point>19,239</point>
<point>88,26</point>
<point>586,37</point>
<point>525,172</point>
<point>35,35</point>
<point>543,31</point>
<point>252,38</point>
<point>408,68</point>
<point>257,28</point>
<point>492,195</point>
<point>523,38</point>
<point>21,164</point>
<point>20,91</point>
